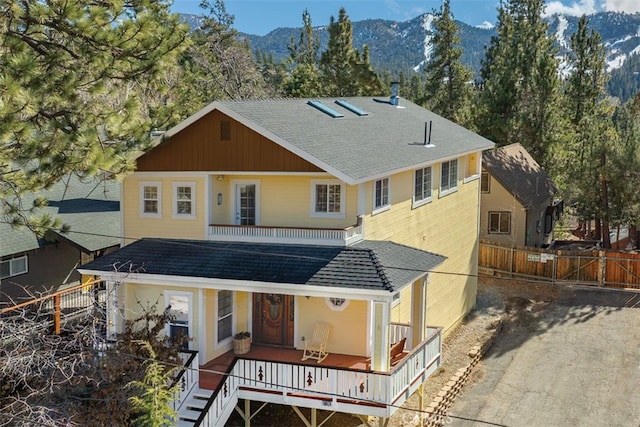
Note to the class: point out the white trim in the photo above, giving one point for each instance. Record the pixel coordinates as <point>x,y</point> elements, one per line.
<point>168,293</point>
<point>234,198</point>
<point>208,204</point>
<point>333,307</point>
<point>202,325</point>
<point>382,208</point>
<point>417,203</point>
<point>121,214</point>
<point>203,174</point>
<point>142,213</point>
<point>328,182</point>
<point>174,191</point>
<point>361,200</point>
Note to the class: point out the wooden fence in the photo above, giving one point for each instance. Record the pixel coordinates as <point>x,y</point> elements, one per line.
<point>611,268</point>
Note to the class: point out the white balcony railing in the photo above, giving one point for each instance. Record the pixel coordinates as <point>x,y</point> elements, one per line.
<point>186,378</point>
<point>265,234</point>
<point>335,389</point>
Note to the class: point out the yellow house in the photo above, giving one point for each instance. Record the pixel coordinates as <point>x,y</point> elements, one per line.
<point>518,203</point>
<point>289,217</point>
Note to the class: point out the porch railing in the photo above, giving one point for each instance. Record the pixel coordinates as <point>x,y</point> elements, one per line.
<point>399,331</point>
<point>265,234</point>
<point>345,390</point>
<point>62,306</point>
<point>187,377</point>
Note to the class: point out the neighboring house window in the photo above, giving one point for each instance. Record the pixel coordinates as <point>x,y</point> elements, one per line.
<point>422,186</point>
<point>225,130</point>
<point>328,198</point>
<point>381,195</point>
<point>151,199</point>
<point>499,222</point>
<point>449,177</point>
<point>485,182</point>
<point>13,267</point>
<point>225,314</point>
<point>179,308</point>
<point>184,205</point>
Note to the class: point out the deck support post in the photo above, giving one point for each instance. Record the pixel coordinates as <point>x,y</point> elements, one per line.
<point>421,398</point>
<point>247,413</point>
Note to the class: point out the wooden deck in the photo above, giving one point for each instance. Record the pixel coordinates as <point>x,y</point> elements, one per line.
<point>212,372</point>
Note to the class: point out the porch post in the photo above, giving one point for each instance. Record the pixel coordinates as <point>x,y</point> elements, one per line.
<point>380,331</point>
<point>113,311</point>
<point>418,311</point>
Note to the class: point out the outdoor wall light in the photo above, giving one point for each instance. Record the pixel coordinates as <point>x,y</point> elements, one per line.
<point>220,177</point>
<point>219,199</point>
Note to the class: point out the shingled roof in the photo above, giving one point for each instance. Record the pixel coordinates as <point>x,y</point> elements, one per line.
<point>368,265</point>
<point>355,148</point>
<point>90,207</point>
<point>514,168</point>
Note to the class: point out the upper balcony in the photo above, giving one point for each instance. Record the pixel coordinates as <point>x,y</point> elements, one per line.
<point>293,235</point>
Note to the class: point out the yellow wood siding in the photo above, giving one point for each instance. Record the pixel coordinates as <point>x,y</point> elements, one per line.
<point>348,328</point>
<point>447,226</point>
<point>137,226</point>
<point>499,199</point>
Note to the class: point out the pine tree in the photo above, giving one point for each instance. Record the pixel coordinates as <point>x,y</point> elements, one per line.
<point>345,71</point>
<point>304,78</point>
<point>519,98</point>
<point>447,89</point>
<point>153,403</point>
<point>72,76</point>
<point>588,167</point>
<point>220,66</point>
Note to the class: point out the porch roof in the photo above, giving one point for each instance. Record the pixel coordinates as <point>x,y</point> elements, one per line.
<point>368,265</point>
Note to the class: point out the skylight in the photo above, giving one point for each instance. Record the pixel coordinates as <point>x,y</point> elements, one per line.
<point>351,107</point>
<point>327,110</point>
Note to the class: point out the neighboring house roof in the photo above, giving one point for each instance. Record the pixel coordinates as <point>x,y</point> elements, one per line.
<point>368,265</point>
<point>514,168</point>
<point>355,148</point>
<point>90,207</point>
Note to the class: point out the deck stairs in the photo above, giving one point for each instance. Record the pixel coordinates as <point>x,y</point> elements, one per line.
<point>192,408</point>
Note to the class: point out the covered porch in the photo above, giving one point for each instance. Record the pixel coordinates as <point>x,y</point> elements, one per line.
<point>341,383</point>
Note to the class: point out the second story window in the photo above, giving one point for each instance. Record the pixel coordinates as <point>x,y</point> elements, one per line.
<point>151,199</point>
<point>448,177</point>
<point>422,186</point>
<point>184,199</point>
<point>499,222</point>
<point>381,195</point>
<point>327,198</point>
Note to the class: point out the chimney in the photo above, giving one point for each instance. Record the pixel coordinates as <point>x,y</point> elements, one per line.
<point>395,87</point>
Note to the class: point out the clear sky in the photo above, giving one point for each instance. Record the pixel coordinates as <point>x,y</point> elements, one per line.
<point>261,16</point>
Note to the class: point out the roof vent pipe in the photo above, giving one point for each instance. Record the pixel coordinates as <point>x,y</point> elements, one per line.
<point>427,137</point>
<point>395,87</point>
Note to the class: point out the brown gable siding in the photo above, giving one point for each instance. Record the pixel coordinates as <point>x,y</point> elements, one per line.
<point>199,148</point>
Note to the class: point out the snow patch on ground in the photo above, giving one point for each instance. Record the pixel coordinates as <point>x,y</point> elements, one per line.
<point>427,25</point>
<point>563,24</point>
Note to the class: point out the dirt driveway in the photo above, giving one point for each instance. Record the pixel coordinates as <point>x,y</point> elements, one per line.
<point>574,361</point>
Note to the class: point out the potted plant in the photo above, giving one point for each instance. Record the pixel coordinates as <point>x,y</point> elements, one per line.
<point>242,342</point>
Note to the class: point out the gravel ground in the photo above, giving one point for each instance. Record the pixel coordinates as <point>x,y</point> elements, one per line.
<point>498,298</point>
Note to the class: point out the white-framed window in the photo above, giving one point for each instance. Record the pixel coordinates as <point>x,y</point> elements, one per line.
<point>184,200</point>
<point>14,266</point>
<point>336,304</point>
<point>499,222</point>
<point>180,306</point>
<point>224,315</point>
<point>327,198</point>
<point>422,179</point>
<point>151,199</point>
<point>381,195</point>
<point>485,182</point>
<point>448,177</point>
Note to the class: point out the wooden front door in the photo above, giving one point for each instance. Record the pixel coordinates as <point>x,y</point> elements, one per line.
<point>273,319</point>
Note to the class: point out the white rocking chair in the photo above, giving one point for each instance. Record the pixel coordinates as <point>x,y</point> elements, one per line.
<point>316,347</point>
